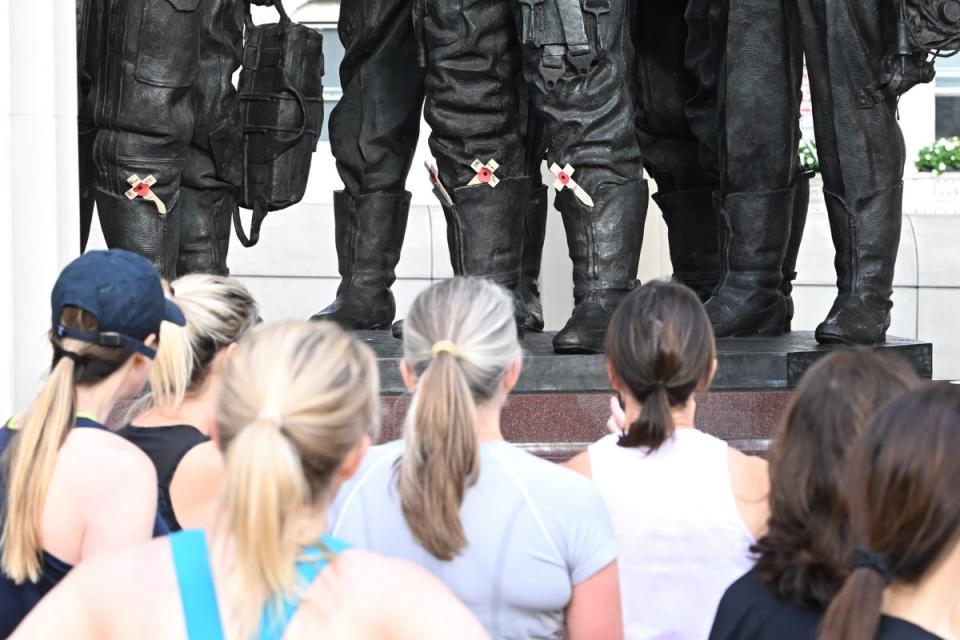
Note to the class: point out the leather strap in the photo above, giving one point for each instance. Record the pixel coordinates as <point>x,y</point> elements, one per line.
<point>259,213</point>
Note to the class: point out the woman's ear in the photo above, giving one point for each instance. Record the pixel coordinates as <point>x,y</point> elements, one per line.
<point>221,358</point>
<point>352,462</point>
<point>512,375</point>
<point>615,381</point>
<point>409,376</point>
<point>705,384</point>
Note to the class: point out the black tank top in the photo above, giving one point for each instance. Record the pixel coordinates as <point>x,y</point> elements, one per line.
<point>166,446</point>
<point>16,600</point>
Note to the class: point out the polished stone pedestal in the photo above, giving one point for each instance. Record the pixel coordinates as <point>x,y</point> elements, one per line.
<point>561,403</point>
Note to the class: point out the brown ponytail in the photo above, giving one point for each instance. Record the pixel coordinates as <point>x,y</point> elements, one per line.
<point>904,506</point>
<point>660,345</point>
<point>43,429</point>
<point>473,321</point>
<point>442,456</point>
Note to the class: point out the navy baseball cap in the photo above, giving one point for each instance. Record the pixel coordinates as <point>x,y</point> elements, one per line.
<point>122,291</point>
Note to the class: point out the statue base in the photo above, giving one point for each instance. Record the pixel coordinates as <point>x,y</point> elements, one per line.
<point>561,403</point>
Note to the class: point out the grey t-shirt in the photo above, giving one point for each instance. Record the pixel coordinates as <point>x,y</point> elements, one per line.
<point>533,529</point>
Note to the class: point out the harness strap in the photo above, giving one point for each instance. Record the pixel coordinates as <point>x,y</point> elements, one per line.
<point>201,613</point>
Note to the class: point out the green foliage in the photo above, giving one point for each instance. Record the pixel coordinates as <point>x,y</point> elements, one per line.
<point>808,156</point>
<point>943,155</point>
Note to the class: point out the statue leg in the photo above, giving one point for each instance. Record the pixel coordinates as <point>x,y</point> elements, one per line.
<point>759,96</point>
<point>861,153</point>
<point>144,114</point>
<point>535,222</point>
<point>667,92</point>
<point>213,173</point>
<point>587,113</point>
<point>89,23</point>
<point>472,106</point>
<point>373,135</point>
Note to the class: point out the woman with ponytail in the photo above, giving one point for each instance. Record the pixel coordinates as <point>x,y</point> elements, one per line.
<point>527,545</point>
<point>686,507</point>
<point>802,558</point>
<point>172,424</point>
<point>296,405</point>
<point>70,489</point>
<point>903,482</point>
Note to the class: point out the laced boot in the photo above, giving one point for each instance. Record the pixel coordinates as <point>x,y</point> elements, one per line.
<point>755,232</point>
<point>604,242</point>
<point>205,218</point>
<point>369,233</point>
<point>866,238</point>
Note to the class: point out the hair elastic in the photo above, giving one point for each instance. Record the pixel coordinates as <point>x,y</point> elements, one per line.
<point>70,355</point>
<point>864,558</point>
<point>271,415</point>
<point>444,346</point>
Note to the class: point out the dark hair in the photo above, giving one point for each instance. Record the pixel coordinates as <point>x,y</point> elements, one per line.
<point>903,481</point>
<point>802,555</point>
<point>661,347</point>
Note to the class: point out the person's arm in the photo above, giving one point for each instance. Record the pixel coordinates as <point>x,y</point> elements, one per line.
<point>594,610</point>
<point>579,463</point>
<point>750,478</point>
<point>196,485</point>
<point>121,501</point>
<point>67,611</point>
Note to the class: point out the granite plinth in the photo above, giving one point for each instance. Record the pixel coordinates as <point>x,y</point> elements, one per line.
<point>560,403</point>
<point>744,363</point>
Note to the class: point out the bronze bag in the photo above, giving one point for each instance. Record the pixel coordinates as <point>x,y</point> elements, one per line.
<point>281,110</point>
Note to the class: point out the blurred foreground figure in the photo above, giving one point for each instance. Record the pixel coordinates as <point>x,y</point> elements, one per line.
<point>297,402</point>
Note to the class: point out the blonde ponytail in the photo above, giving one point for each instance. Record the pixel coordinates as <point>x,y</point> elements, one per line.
<point>44,427</point>
<point>296,399</point>
<point>33,457</point>
<point>219,311</point>
<point>265,494</point>
<point>473,321</point>
<point>441,457</point>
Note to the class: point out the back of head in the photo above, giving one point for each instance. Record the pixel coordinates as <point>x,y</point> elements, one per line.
<point>660,345</point>
<point>803,552</point>
<point>297,398</point>
<point>104,307</point>
<point>219,311</point>
<point>904,503</point>
<point>460,337</point>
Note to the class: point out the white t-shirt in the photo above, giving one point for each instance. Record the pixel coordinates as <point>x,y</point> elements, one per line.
<point>533,530</point>
<point>682,539</point>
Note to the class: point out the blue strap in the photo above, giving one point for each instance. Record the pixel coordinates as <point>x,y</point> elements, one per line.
<point>308,568</point>
<point>197,593</point>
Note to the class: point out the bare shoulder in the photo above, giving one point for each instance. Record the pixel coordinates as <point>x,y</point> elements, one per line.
<point>108,457</point>
<point>580,463</point>
<point>202,466</point>
<point>750,475</point>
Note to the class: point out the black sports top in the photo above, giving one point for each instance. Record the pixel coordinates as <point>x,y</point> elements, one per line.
<point>166,446</point>
<point>751,610</point>
<point>16,600</point>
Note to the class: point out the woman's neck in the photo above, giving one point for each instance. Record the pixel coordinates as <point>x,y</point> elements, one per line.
<point>488,422</point>
<point>196,410</point>
<point>97,401</point>
<point>683,416</point>
<point>933,603</point>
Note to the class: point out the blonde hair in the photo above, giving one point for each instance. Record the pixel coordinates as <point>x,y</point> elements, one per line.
<point>218,310</point>
<point>43,428</point>
<point>297,398</point>
<point>472,320</point>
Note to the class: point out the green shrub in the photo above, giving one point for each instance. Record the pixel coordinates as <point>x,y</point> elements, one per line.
<point>808,156</point>
<point>943,155</point>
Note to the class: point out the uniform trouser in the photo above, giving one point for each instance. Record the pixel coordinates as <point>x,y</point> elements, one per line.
<point>759,96</point>
<point>859,143</point>
<point>473,54</point>
<point>677,50</point>
<point>375,126</point>
<point>146,81</point>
